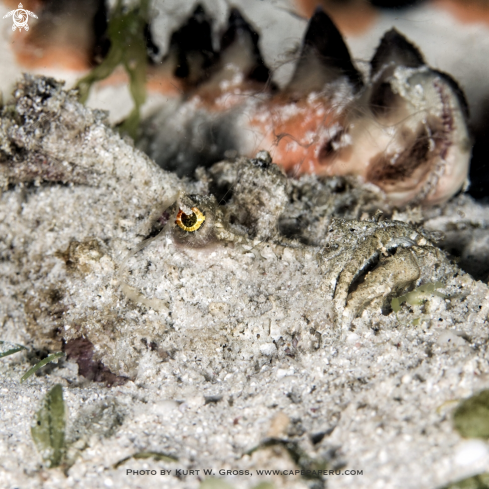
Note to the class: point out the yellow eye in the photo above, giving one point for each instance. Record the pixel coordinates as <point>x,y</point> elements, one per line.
<point>190,222</point>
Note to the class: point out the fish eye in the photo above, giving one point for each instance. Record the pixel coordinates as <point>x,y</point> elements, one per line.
<point>190,222</point>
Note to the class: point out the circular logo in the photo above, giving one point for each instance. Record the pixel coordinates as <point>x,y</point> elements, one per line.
<point>20,17</point>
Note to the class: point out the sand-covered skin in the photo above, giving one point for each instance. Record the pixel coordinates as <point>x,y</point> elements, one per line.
<point>90,250</point>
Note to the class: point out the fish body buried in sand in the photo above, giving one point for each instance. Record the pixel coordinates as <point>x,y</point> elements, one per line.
<point>113,259</point>
<point>403,130</point>
<point>361,264</point>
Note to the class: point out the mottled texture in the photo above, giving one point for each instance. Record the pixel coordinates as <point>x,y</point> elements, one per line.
<point>274,322</point>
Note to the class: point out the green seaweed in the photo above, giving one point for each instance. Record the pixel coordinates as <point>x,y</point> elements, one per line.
<point>48,430</point>
<point>127,48</point>
<point>158,456</point>
<point>417,296</point>
<point>480,481</point>
<point>471,417</point>
<point>41,364</point>
<point>16,349</point>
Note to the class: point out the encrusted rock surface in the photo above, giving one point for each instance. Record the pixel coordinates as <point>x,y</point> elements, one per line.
<point>270,322</point>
